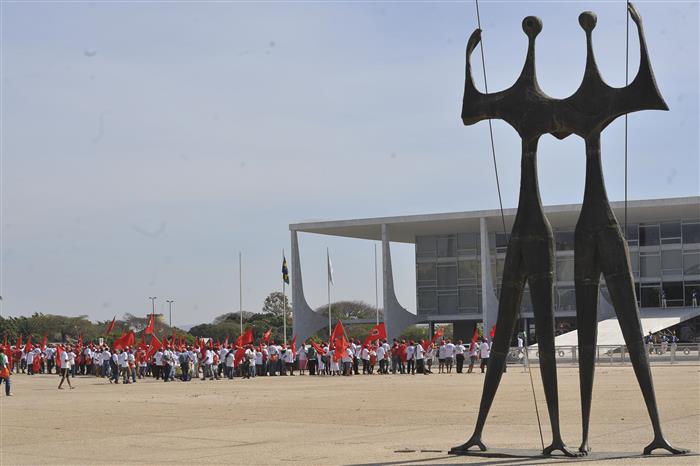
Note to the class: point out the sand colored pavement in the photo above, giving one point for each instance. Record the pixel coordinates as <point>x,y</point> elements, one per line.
<point>335,420</point>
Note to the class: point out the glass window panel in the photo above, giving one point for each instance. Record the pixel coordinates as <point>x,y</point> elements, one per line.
<point>649,235</point>
<point>632,232</point>
<point>649,266</point>
<point>425,246</point>
<point>447,304</point>
<point>468,298</point>
<point>469,269</point>
<point>565,269</point>
<point>468,242</point>
<point>447,276</point>
<point>671,230</point>
<point>425,271</point>
<point>651,296</point>
<point>634,261</point>
<point>672,260</point>
<point>427,299</point>
<point>691,263</point>
<point>565,240</point>
<point>567,298</point>
<point>446,246</point>
<point>674,291</point>
<point>691,233</point>
<point>502,240</point>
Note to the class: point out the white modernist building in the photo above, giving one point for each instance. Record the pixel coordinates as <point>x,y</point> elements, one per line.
<point>460,255</point>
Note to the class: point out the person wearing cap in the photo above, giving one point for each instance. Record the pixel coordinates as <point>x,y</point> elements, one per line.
<point>67,358</point>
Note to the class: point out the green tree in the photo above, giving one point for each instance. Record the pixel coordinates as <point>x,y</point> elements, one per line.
<point>276,303</point>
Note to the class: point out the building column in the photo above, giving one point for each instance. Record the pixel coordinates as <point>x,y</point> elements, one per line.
<point>304,320</point>
<point>489,302</point>
<point>396,317</point>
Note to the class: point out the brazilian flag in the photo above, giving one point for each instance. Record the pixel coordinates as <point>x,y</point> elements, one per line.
<point>285,271</point>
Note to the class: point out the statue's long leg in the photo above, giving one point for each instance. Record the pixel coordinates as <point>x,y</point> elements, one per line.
<point>508,306</point>
<point>587,281</point>
<point>542,292</point>
<point>616,268</point>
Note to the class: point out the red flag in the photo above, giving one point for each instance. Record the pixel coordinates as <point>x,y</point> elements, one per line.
<point>173,340</point>
<point>266,335</point>
<point>19,342</point>
<point>294,345</point>
<point>438,334</point>
<point>210,343</point>
<point>338,331</point>
<point>80,343</point>
<point>475,337</point>
<point>142,343</point>
<point>27,347</point>
<point>110,327</point>
<point>127,339</point>
<point>151,327</point>
<point>43,343</point>
<point>246,338</point>
<point>341,346</point>
<point>240,353</point>
<point>59,351</point>
<point>378,332</point>
<point>318,348</point>
<point>226,341</point>
<point>493,331</point>
<point>202,348</point>
<point>155,346</point>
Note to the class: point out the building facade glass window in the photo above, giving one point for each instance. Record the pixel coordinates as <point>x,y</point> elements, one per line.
<point>564,240</point>
<point>691,233</point>
<point>649,235</point>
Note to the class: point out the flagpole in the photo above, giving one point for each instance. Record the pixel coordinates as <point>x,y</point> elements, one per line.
<point>376,284</point>
<point>240,289</point>
<point>328,273</point>
<point>284,301</point>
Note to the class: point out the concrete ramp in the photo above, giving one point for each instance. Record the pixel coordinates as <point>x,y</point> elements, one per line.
<point>653,320</point>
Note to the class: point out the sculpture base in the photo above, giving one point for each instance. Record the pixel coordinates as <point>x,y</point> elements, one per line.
<point>537,454</point>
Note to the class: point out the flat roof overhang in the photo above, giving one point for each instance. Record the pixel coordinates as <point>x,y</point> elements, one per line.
<point>405,228</point>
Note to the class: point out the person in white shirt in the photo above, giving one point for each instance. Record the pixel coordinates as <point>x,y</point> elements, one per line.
<point>124,366</point>
<point>449,355</point>
<point>473,355</point>
<point>347,361</point>
<point>288,356</point>
<point>485,351</point>
<point>301,359</point>
<point>158,357</point>
<point>131,358</point>
<point>459,356</point>
<point>106,358</point>
<point>381,352</point>
<point>30,361</point>
<point>429,356</point>
<point>66,360</point>
<point>364,355</point>
<point>273,359</point>
<point>410,361</point>
<point>114,366</point>
<point>419,355</point>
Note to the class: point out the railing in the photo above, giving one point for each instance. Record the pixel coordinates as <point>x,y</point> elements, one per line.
<point>659,353</point>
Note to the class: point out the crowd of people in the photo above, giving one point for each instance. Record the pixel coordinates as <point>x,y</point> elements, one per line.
<point>214,361</point>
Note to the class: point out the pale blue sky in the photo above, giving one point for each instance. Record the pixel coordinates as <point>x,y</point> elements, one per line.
<point>145,144</point>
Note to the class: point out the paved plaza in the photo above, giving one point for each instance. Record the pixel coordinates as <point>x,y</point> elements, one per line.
<point>335,420</point>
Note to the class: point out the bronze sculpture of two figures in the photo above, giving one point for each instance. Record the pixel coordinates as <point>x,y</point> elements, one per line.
<point>599,244</point>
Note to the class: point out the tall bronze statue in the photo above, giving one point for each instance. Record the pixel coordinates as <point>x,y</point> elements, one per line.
<point>599,245</point>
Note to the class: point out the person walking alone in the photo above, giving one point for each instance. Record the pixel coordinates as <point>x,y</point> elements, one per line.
<point>67,358</point>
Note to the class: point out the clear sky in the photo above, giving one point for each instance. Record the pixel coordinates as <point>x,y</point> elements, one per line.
<point>145,144</point>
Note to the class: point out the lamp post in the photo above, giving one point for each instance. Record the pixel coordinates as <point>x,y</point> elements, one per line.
<point>153,309</point>
<point>170,311</point>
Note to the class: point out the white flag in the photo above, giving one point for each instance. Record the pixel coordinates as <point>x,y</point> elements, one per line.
<point>330,267</point>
